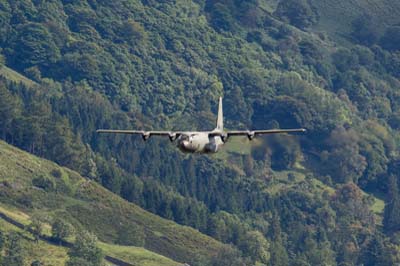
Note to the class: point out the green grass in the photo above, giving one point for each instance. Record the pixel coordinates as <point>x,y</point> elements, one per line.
<point>241,145</point>
<point>87,205</point>
<point>136,255</point>
<point>49,255</point>
<point>55,255</point>
<point>7,227</point>
<point>378,206</point>
<point>237,146</point>
<point>12,75</point>
<point>44,252</point>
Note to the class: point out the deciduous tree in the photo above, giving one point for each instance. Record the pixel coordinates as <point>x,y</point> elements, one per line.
<point>85,251</point>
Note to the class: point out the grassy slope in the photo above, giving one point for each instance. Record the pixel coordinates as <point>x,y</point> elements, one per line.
<point>42,251</point>
<point>86,204</point>
<point>386,12</point>
<point>54,255</point>
<point>10,74</point>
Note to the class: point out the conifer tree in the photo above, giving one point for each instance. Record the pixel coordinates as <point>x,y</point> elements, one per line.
<point>255,246</point>
<point>8,110</point>
<point>14,253</point>
<point>2,240</point>
<point>279,256</point>
<point>375,253</point>
<point>391,218</point>
<point>36,226</point>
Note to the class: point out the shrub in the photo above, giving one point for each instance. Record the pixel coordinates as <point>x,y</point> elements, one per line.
<point>297,12</point>
<point>60,229</point>
<point>131,235</point>
<point>364,31</point>
<point>56,173</point>
<point>43,182</point>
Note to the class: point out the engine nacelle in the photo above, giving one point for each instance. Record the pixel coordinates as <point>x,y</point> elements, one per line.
<point>224,138</point>
<point>145,136</point>
<point>251,135</point>
<point>172,137</point>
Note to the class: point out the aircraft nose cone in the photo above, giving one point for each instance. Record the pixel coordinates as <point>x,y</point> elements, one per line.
<point>185,143</point>
<point>185,146</point>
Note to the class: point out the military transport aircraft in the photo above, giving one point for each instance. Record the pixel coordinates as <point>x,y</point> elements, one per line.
<point>202,141</point>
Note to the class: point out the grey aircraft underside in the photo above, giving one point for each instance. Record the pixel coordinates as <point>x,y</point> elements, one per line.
<point>202,141</point>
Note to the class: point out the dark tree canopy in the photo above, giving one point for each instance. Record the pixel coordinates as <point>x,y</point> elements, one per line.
<point>297,12</point>
<point>391,39</point>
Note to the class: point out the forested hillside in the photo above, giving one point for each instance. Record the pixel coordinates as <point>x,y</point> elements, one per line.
<point>43,196</point>
<point>312,199</point>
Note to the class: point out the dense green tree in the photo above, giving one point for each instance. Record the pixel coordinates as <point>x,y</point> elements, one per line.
<point>318,252</point>
<point>36,226</point>
<point>85,250</point>
<point>133,32</point>
<point>132,189</point>
<point>5,17</point>
<point>344,59</point>
<point>2,240</point>
<point>14,252</point>
<point>255,246</point>
<point>375,253</point>
<point>279,255</point>
<point>61,229</point>
<point>63,146</point>
<point>80,66</point>
<point>364,30</point>
<point>298,13</point>
<point>350,204</point>
<point>391,39</point>
<point>253,15</point>
<point>221,15</point>
<point>77,261</point>
<point>236,105</point>
<point>2,60</point>
<point>391,217</point>
<point>9,111</point>
<point>311,52</point>
<point>34,45</point>
<point>344,161</point>
<point>228,256</point>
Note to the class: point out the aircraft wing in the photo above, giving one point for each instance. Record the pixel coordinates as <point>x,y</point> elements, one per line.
<point>145,134</point>
<point>262,132</point>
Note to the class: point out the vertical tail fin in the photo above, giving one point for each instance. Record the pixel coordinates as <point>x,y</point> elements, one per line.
<point>220,119</point>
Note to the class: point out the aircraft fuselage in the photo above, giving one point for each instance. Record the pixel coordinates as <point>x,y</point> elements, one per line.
<point>199,142</point>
